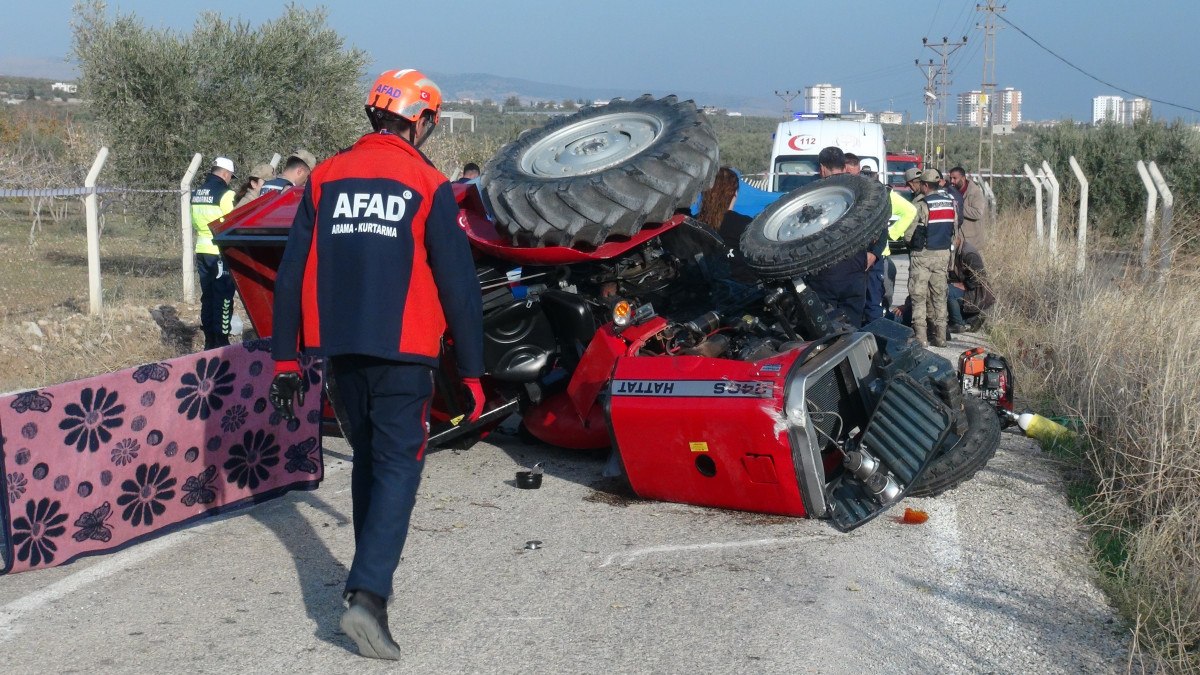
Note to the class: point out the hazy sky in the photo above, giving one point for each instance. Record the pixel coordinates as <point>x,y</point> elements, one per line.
<point>750,47</point>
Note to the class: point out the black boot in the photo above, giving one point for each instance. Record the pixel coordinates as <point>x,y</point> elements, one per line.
<point>365,622</point>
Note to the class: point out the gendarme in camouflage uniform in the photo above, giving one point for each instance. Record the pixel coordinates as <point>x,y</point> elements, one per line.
<point>929,241</point>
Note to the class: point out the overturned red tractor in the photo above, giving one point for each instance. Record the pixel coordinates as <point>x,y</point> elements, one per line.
<point>611,321</point>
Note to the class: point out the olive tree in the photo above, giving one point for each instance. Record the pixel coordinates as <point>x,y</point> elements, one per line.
<point>225,88</point>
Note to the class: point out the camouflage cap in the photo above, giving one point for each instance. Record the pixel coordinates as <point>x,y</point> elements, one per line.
<point>263,172</point>
<point>304,156</point>
<point>912,174</point>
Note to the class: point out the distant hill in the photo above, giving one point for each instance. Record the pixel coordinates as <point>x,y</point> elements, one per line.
<point>462,85</point>
<point>40,68</point>
<point>497,88</point>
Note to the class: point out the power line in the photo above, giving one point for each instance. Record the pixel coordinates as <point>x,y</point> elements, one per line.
<point>963,21</point>
<point>945,49</point>
<point>787,96</point>
<point>933,18</point>
<point>931,100</point>
<point>987,86</point>
<point>1107,84</point>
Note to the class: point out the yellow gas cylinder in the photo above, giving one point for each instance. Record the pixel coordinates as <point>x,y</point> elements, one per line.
<point>1043,429</point>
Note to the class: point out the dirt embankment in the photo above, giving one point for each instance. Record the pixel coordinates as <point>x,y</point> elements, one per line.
<point>63,344</point>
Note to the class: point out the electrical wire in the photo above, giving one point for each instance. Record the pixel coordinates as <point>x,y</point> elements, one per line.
<point>963,27</point>
<point>933,18</point>
<point>1081,70</point>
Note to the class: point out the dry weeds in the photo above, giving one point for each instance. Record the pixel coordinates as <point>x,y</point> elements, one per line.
<point>1123,355</point>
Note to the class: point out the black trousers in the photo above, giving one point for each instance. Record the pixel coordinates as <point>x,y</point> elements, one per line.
<point>385,410</point>
<point>875,291</point>
<point>216,299</point>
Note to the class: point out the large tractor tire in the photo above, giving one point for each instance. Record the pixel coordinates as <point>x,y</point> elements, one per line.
<point>604,171</point>
<point>815,226</point>
<point>972,452</point>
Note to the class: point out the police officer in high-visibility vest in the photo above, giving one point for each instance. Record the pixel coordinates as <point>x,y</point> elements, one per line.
<point>930,238</point>
<point>211,201</point>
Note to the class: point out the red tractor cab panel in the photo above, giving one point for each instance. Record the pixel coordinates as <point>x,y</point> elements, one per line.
<point>709,432</point>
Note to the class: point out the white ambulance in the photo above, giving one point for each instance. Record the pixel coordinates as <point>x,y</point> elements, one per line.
<point>797,143</point>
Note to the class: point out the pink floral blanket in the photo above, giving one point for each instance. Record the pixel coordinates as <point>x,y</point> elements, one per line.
<point>95,465</point>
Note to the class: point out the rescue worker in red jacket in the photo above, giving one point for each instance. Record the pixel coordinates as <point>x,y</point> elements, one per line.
<point>374,271</point>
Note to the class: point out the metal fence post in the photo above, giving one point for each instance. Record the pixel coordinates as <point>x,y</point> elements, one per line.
<point>185,220</point>
<point>1037,198</point>
<point>1164,228</point>
<point>1054,192</point>
<point>91,212</point>
<point>1081,250</point>
<point>1151,209</point>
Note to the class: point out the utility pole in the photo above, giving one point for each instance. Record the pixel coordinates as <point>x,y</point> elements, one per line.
<point>788,96</point>
<point>987,105</point>
<point>944,49</point>
<point>931,99</point>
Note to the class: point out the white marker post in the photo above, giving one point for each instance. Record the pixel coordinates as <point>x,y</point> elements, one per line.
<point>1037,200</point>
<point>185,220</point>
<point>1151,210</point>
<point>1081,249</point>
<point>1164,228</point>
<point>91,212</point>
<point>1055,190</point>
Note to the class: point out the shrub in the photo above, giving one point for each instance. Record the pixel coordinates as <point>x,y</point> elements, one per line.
<point>224,89</point>
<point>1119,353</point>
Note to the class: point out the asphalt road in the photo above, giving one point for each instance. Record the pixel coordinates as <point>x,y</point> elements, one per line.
<point>995,581</point>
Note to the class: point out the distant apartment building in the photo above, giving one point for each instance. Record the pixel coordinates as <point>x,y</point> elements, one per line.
<point>1136,109</point>
<point>885,117</point>
<point>1118,110</point>
<point>970,108</point>
<point>1003,110</point>
<point>1006,108</point>
<point>1108,109</point>
<point>65,87</point>
<point>823,98</point>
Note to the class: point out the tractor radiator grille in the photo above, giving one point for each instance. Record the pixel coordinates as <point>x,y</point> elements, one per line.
<point>834,403</point>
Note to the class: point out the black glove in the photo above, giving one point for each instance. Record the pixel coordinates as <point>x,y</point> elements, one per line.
<point>284,388</point>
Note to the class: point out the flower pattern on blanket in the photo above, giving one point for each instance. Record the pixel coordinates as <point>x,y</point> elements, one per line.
<point>97,464</point>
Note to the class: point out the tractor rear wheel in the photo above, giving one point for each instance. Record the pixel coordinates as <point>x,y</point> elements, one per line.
<point>602,172</point>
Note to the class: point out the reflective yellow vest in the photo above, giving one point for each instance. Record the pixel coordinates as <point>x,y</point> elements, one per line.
<point>903,213</point>
<point>212,200</point>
